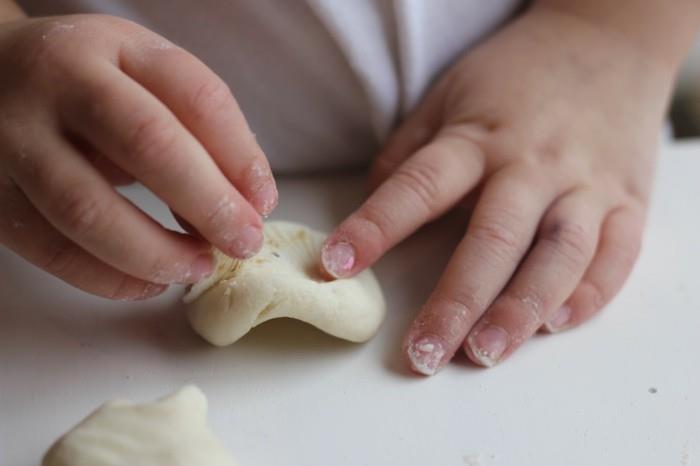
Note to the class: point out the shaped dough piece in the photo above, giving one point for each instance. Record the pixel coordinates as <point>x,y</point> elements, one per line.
<point>171,431</point>
<point>283,280</point>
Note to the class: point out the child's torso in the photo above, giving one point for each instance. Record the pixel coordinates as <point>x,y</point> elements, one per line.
<point>321,82</point>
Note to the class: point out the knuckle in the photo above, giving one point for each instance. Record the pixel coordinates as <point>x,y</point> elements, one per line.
<point>211,100</point>
<point>373,223</point>
<point>81,213</point>
<point>570,239</point>
<point>151,142</point>
<point>497,235</point>
<point>422,182</point>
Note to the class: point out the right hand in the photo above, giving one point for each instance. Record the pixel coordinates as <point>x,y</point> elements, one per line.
<point>90,101</point>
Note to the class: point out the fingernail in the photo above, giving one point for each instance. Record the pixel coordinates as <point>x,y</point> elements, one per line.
<point>202,267</point>
<point>247,243</point>
<point>151,290</point>
<point>489,344</point>
<point>265,198</point>
<point>425,355</point>
<point>560,319</point>
<point>338,258</point>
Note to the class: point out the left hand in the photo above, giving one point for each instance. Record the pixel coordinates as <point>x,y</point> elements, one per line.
<point>551,128</point>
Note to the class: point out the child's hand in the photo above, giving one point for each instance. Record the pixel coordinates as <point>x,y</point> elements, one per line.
<point>550,128</point>
<point>90,101</point>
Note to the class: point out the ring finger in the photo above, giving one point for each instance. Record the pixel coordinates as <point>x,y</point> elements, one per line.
<point>565,245</point>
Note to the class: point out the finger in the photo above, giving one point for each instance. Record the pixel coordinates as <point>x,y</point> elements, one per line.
<point>71,195</point>
<point>501,229</point>
<point>563,249</point>
<point>205,105</point>
<point>415,132</point>
<point>141,136</point>
<point>26,232</point>
<point>618,249</point>
<point>421,189</point>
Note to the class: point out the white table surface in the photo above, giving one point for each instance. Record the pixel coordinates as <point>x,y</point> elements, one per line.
<point>287,394</point>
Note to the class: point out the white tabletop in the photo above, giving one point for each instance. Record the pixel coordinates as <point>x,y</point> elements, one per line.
<point>287,394</point>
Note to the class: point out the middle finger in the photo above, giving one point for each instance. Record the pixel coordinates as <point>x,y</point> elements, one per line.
<point>142,137</point>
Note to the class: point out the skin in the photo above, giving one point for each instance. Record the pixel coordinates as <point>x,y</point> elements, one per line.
<point>88,102</point>
<point>547,133</point>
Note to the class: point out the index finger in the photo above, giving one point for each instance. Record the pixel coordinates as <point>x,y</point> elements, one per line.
<point>207,108</point>
<point>425,186</point>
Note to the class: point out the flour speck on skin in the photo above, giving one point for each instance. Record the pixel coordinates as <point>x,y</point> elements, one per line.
<point>426,347</point>
<point>57,27</point>
<point>425,357</point>
<point>162,45</point>
<point>533,305</point>
<point>222,213</point>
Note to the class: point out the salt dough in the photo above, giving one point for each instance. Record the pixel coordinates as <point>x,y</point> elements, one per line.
<point>171,431</point>
<point>283,280</point>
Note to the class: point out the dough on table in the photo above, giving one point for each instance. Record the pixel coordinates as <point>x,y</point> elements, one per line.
<point>172,431</point>
<point>283,280</point>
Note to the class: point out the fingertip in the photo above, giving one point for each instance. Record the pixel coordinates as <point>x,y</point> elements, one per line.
<point>338,258</point>
<point>426,354</point>
<point>245,242</point>
<point>486,346</point>
<point>560,321</point>
<point>182,271</point>
<point>265,198</point>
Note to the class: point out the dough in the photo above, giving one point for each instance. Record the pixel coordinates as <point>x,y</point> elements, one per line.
<point>171,431</point>
<point>283,280</point>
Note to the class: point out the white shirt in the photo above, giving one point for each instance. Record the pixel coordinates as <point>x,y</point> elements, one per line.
<point>321,82</point>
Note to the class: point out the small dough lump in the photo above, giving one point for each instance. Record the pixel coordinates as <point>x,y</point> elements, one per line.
<point>171,431</point>
<point>283,280</point>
